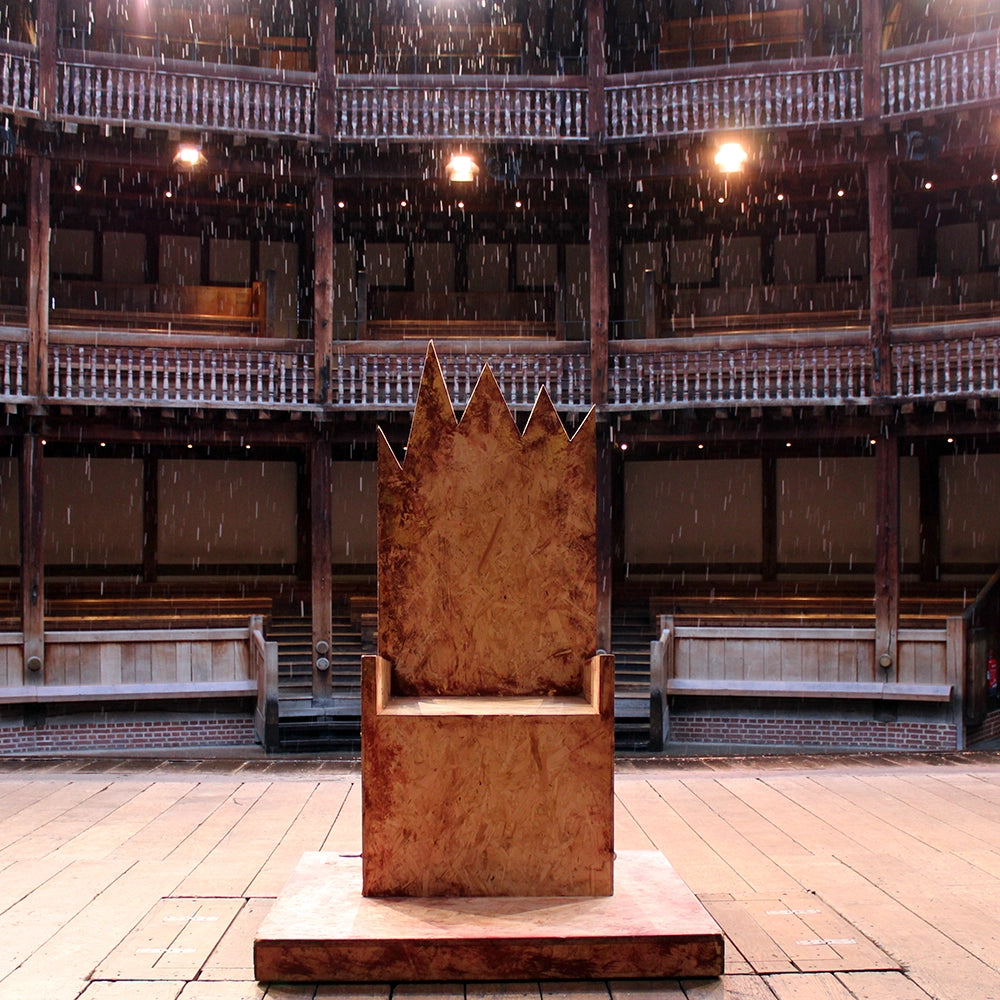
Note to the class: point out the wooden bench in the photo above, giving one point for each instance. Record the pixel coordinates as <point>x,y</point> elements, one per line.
<point>760,35</point>
<point>187,612</point>
<point>450,48</point>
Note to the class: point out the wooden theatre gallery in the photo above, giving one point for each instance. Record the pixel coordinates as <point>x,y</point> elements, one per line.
<point>487,735</point>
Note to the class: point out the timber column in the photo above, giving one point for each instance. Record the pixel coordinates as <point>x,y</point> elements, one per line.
<point>322,286</point>
<point>880,280</point>
<point>32,558</point>
<point>39,189</point>
<point>320,507</point>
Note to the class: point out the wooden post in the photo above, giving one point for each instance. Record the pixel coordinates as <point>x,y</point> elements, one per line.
<point>323,285</point>
<point>32,558</point>
<point>871,64</point>
<point>39,189</point>
<point>599,293</point>
<point>46,21</point>
<point>321,485</point>
<point>880,271</point>
<point>150,519</point>
<point>596,70</point>
<point>326,65</point>
<point>886,552</point>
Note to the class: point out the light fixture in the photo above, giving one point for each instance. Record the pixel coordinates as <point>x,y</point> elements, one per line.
<point>77,186</point>
<point>340,204</point>
<point>168,194</point>
<point>188,155</point>
<point>995,176</point>
<point>731,157</point>
<point>462,169</point>
<point>623,446</point>
<point>403,203</point>
<point>781,197</point>
<point>517,204</point>
<point>461,204</point>
<point>928,185</point>
<point>840,192</point>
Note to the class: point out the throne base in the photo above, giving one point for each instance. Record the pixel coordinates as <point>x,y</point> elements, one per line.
<point>322,929</point>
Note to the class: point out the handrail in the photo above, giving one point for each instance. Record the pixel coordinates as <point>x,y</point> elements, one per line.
<point>264,667</point>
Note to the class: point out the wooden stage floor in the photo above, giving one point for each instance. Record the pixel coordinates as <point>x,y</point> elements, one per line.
<point>834,878</point>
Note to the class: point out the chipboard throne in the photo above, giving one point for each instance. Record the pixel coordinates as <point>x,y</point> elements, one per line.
<point>487,717</point>
<point>487,734</point>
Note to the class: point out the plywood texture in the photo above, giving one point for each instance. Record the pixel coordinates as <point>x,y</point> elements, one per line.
<point>323,929</point>
<point>487,548</point>
<point>487,718</point>
<point>481,802</point>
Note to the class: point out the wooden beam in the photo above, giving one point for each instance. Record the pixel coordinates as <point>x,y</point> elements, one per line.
<point>326,64</point>
<point>871,63</point>
<point>321,513</point>
<point>880,269</point>
<point>46,21</point>
<point>32,558</point>
<point>599,290</point>
<point>596,70</point>
<point>886,552</point>
<point>323,288</point>
<point>39,191</point>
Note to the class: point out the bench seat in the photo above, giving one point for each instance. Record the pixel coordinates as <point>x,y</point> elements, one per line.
<point>809,689</point>
<point>42,694</point>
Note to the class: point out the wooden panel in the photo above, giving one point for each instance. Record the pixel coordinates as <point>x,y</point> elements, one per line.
<point>89,664</point>
<point>111,663</point>
<point>791,659</point>
<point>184,662</point>
<point>201,661</point>
<point>143,663</point>
<point>223,661</point>
<point>163,662</point>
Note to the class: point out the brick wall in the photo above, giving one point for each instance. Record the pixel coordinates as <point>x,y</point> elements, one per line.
<point>988,730</point>
<point>127,734</point>
<point>855,733</point>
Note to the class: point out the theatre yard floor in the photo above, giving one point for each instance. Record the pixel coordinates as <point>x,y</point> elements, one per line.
<point>872,877</point>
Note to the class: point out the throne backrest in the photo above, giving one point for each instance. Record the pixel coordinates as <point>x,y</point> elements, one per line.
<point>487,548</point>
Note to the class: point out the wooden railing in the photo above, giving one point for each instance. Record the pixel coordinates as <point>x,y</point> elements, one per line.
<point>538,109</point>
<point>99,87</point>
<point>957,73</point>
<point>130,369</point>
<point>94,87</point>
<point>962,360</point>
<point>18,78</point>
<point>752,95</point>
<point>390,378</point>
<point>13,364</point>
<point>777,369</point>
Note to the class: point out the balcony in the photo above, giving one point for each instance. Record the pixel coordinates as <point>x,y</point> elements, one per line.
<point>142,91</point>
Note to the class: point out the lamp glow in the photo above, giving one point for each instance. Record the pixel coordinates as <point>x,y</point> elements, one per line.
<point>188,155</point>
<point>731,157</point>
<point>462,169</point>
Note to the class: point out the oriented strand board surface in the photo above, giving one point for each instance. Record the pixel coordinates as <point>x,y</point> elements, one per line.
<point>487,564</point>
<point>464,803</point>
<point>323,929</point>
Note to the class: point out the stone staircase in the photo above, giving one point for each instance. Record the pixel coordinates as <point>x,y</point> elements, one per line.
<point>308,727</point>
